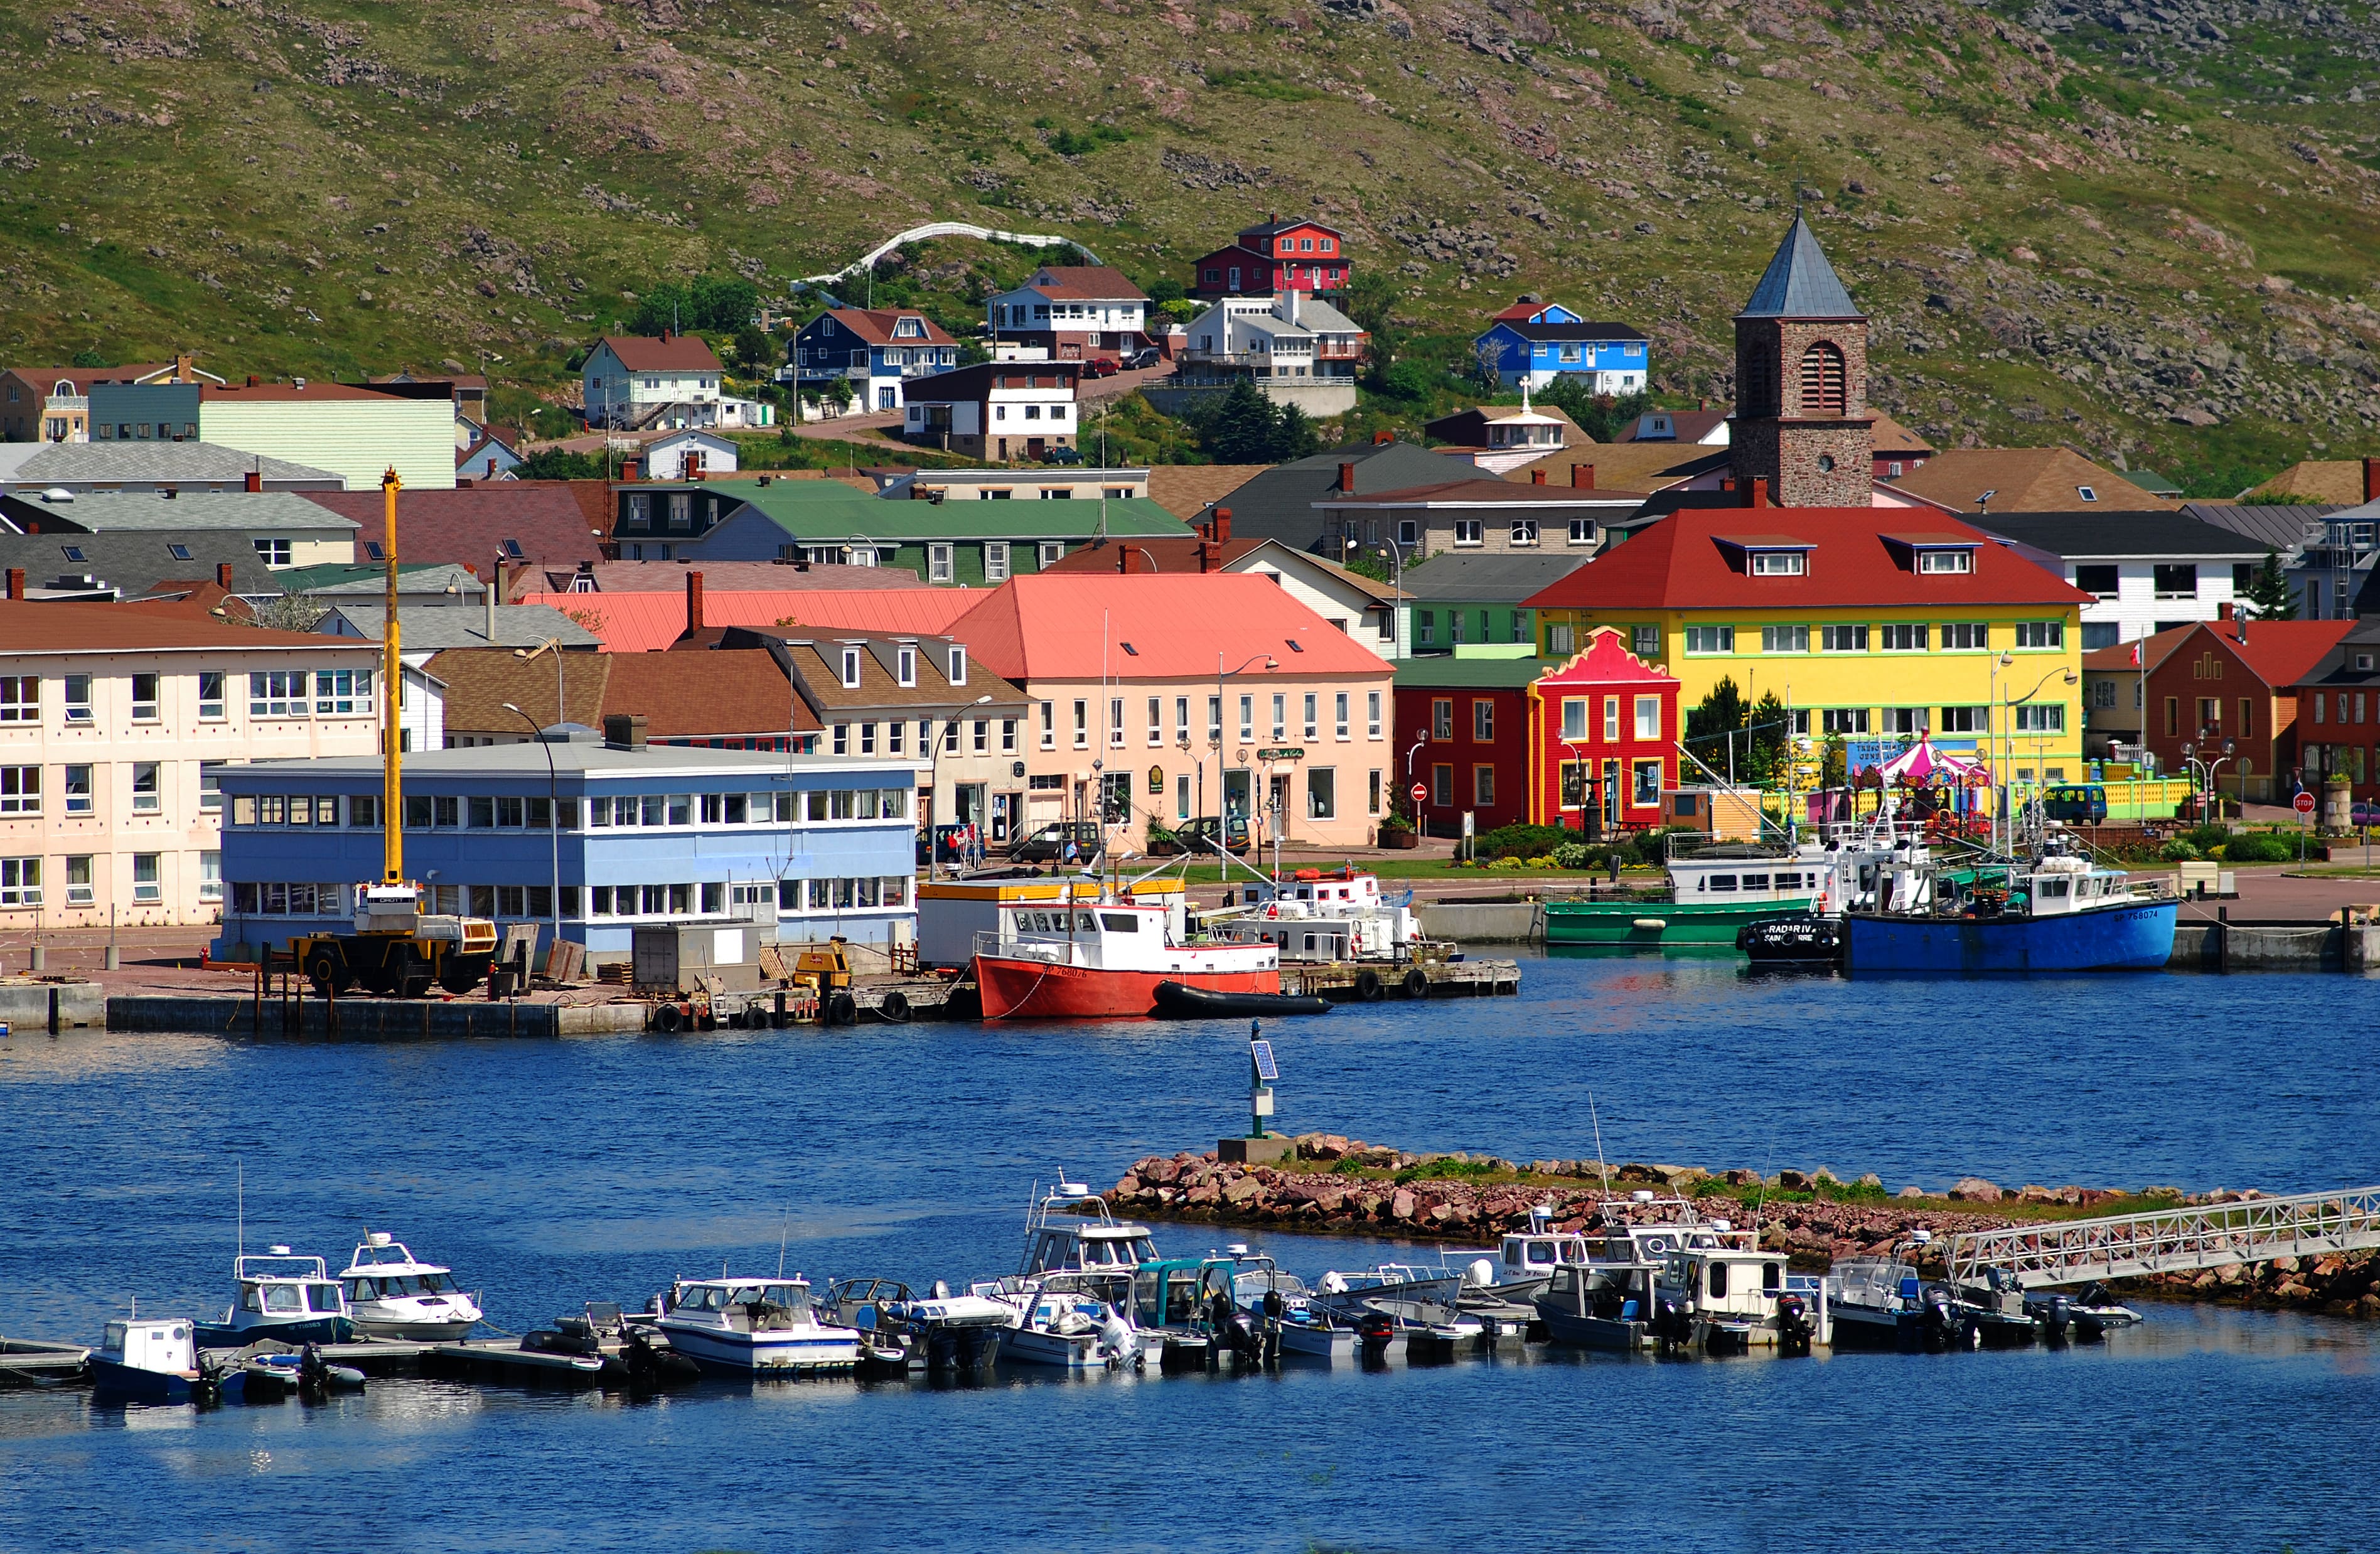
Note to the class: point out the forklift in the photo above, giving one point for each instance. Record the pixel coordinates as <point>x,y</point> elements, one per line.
<point>396,950</point>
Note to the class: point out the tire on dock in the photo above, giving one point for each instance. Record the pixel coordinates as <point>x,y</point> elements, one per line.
<point>1367,985</point>
<point>842,1009</point>
<point>1417,983</point>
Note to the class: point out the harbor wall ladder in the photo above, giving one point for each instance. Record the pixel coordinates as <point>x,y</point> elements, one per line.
<point>2171,1240</point>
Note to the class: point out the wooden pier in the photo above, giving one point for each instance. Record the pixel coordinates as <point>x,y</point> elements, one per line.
<point>1366,982</point>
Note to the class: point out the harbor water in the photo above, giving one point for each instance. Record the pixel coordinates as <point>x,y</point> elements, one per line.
<point>549,1173</point>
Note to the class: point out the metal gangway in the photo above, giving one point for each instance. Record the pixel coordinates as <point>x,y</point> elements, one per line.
<point>2171,1240</point>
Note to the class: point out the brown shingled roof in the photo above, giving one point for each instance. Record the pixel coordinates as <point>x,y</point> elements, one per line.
<point>1186,490</point>
<point>2024,481</point>
<point>29,628</point>
<point>734,693</point>
<point>646,352</point>
<point>1083,283</point>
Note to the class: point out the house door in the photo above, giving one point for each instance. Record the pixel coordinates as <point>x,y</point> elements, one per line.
<point>968,800</point>
<point>1610,794</point>
<point>1236,793</point>
<point>887,398</point>
<point>1003,815</point>
<point>1033,446</point>
<point>1277,803</point>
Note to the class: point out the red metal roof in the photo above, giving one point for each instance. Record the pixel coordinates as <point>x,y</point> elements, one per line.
<point>649,623</point>
<point>131,628</point>
<point>646,352</point>
<point>1684,562</point>
<point>1161,626</point>
<point>469,525</point>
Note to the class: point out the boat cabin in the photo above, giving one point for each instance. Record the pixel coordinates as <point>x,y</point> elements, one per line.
<point>1176,1293</point>
<point>958,918</point>
<point>161,1345</point>
<point>1730,880</point>
<point>1070,1230</point>
<point>382,1269</point>
<point>278,1286</point>
<point>1726,1284</point>
<point>735,1303</point>
<point>1323,915</point>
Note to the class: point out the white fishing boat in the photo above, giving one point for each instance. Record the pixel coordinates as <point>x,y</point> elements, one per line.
<point>391,1293</point>
<point>1323,915</point>
<point>283,1296</point>
<point>1069,1321</point>
<point>753,1327</point>
<point>155,1360</point>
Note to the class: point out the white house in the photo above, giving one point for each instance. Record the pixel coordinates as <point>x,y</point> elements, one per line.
<point>1071,312</point>
<point>2145,572</point>
<point>1001,412</point>
<point>688,456</point>
<point>1288,343</point>
<point>632,381</point>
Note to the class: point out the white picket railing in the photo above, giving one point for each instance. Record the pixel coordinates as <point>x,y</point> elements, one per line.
<point>2172,1240</point>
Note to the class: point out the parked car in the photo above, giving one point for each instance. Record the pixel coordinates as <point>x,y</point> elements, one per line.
<point>2363,814</point>
<point>1202,834</point>
<point>1099,367</point>
<point>1148,355</point>
<point>1049,843</point>
<point>1059,453</point>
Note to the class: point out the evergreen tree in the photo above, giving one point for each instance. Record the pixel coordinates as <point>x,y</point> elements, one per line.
<point>722,303</point>
<point>1244,428</point>
<point>2269,594</point>
<point>663,305</point>
<point>1708,725</point>
<point>1293,435</point>
<point>1769,743</point>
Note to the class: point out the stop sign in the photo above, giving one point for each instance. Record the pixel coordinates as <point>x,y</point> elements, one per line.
<point>2305,803</point>
<point>1418,792</point>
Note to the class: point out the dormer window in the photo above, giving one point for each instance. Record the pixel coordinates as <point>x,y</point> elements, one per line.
<point>907,662</point>
<point>1780,564</point>
<point>851,669</point>
<point>1946,561</point>
<point>910,329</point>
<point>958,665</point>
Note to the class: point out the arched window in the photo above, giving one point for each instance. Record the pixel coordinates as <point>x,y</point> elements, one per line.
<point>1760,387</point>
<point>1822,379</point>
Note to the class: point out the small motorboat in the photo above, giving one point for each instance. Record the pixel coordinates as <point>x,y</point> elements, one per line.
<point>617,1350</point>
<point>753,1327</point>
<point>290,1299</point>
<point>392,1294</point>
<point>1179,1000</point>
<point>943,1333</point>
<point>273,1374</point>
<point>2093,1312</point>
<point>157,1360</point>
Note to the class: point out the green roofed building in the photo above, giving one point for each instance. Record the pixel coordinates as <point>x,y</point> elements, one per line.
<point>963,543</point>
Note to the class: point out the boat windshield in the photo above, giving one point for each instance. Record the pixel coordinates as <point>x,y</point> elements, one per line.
<point>113,1339</point>
<point>323,1297</point>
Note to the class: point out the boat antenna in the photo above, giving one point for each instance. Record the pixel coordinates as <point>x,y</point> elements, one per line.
<point>1597,1124</point>
<point>1760,1202</point>
<point>783,1227</point>
<point>240,1206</point>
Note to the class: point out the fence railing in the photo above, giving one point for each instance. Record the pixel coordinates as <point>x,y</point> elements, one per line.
<point>2170,1240</point>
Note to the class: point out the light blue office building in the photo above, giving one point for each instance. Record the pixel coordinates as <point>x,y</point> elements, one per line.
<point>807,845</point>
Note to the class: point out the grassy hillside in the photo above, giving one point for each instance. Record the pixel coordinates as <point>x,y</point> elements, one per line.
<point>2067,231</point>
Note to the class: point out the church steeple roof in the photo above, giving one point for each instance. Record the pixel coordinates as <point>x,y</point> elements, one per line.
<point>1799,282</point>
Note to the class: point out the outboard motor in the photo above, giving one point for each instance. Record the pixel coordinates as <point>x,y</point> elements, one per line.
<point>1948,1327</point>
<point>313,1376</point>
<point>1671,1327</point>
<point>1374,1332</point>
<point>1795,1328</point>
<point>2053,1314</point>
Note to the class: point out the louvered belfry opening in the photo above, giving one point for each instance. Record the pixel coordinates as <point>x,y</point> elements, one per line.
<point>1759,380</point>
<point>1822,379</point>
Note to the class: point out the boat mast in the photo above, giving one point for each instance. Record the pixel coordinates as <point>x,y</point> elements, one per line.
<point>392,829</point>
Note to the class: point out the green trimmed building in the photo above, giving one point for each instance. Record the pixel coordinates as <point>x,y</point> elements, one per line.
<point>961,543</point>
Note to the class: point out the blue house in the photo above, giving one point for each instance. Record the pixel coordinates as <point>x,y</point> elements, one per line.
<point>800,847</point>
<point>1540,342</point>
<point>876,351</point>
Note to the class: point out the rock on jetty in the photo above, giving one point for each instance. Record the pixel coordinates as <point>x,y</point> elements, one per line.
<point>1345,1185</point>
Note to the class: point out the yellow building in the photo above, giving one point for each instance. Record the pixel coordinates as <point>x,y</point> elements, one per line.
<point>1871,623</point>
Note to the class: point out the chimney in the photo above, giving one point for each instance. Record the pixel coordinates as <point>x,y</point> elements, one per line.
<point>1223,526</point>
<point>1123,558</point>
<point>1205,557</point>
<point>2223,611</point>
<point>489,591</point>
<point>222,576</point>
<point>693,602</point>
<point>1383,436</point>
<point>1758,496</point>
<point>627,471</point>
<point>251,379</point>
<point>2371,479</point>
<point>665,336</point>
<point>623,731</point>
<point>255,481</point>
<point>492,467</point>
<point>1582,476</point>
<point>182,372</point>
<point>1702,404</point>
<point>17,582</point>
<point>1347,480</point>
<point>1537,476</point>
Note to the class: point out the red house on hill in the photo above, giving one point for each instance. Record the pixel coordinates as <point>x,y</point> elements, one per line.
<point>1275,255</point>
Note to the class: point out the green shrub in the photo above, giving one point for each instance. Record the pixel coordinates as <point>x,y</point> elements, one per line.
<point>1578,855</point>
<point>2177,851</point>
<point>2258,847</point>
<point>1523,842</point>
<point>2207,838</point>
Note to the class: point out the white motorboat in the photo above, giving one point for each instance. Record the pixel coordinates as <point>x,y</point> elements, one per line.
<point>1323,915</point>
<point>393,1294</point>
<point>1068,1320</point>
<point>153,1360</point>
<point>281,1296</point>
<point>753,1327</point>
<point>1069,1230</point>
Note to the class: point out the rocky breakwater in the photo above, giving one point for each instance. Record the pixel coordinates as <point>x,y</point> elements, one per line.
<point>1341,1185</point>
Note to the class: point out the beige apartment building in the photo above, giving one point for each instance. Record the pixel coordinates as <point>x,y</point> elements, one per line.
<point>114,723</point>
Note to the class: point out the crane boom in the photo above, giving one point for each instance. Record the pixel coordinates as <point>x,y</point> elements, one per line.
<point>392,799</point>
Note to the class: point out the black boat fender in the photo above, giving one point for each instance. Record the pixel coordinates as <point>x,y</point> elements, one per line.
<point>1417,983</point>
<point>896,1007</point>
<point>1367,985</point>
<point>842,1009</point>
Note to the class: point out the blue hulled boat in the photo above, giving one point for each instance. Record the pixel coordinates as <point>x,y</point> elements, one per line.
<point>2059,912</point>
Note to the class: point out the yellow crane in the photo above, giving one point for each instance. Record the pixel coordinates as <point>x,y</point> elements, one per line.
<point>396,949</point>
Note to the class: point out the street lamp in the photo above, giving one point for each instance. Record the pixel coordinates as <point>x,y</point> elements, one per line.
<point>933,789</point>
<point>553,812</point>
<point>552,644</point>
<point>2072,679</point>
<point>1222,820</point>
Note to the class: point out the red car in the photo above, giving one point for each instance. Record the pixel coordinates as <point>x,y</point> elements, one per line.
<point>1099,367</point>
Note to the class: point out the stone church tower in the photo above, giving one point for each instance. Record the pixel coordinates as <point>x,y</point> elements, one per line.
<point>1801,421</point>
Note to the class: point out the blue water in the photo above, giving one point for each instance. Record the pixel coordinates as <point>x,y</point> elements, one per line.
<point>550,1172</point>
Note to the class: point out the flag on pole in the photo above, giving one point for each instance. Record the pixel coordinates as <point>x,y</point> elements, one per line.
<point>2136,653</point>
